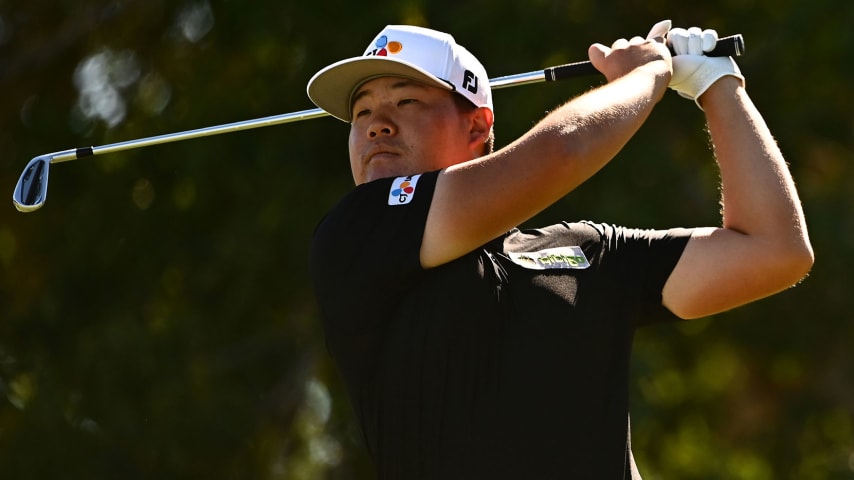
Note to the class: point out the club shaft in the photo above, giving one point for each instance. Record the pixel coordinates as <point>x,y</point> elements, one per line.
<point>75,153</point>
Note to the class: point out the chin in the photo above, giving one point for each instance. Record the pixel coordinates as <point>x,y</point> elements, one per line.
<point>377,174</point>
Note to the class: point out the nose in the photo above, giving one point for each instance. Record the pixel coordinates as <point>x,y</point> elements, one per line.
<point>381,125</point>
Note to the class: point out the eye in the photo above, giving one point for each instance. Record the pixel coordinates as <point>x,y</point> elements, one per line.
<point>361,113</point>
<point>406,101</point>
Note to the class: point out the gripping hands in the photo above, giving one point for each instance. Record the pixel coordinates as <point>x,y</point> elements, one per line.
<point>693,72</point>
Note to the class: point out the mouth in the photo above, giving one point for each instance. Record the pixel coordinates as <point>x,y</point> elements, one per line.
<point>380,152</point>
<point>381,156</point>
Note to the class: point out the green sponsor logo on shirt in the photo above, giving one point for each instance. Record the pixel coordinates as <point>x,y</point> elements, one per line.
<point>551,258</point>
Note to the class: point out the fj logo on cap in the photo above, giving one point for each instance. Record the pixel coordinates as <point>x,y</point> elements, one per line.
<point>384,47</point>
<point>402,190</point>
<point>552,258</point>
<point>470,81</point>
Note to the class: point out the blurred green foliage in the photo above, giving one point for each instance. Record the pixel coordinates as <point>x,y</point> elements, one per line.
<point>156,320</point>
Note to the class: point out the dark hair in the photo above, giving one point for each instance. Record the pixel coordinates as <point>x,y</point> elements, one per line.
<point>464,105</point>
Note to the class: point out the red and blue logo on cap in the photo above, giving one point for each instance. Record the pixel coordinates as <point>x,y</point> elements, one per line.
<point>384,47</point>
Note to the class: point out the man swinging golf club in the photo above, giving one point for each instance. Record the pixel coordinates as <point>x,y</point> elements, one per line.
<point>473,350</point>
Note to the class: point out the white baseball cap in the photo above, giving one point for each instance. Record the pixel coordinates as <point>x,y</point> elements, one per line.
<point>416,53</point>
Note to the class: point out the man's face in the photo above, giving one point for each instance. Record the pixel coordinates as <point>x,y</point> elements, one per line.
<point>402,127</point>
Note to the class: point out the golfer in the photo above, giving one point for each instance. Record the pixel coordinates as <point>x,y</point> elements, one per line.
<point>474,350</point>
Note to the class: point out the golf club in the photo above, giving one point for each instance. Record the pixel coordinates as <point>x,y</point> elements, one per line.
<point>31,190</point>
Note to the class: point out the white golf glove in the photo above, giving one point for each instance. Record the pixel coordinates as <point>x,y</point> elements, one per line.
<point>693,72</point>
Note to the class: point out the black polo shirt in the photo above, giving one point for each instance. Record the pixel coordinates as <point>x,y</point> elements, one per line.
<point>510,362</point>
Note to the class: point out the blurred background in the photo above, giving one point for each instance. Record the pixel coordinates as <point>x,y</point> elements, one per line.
<point>156,320</point>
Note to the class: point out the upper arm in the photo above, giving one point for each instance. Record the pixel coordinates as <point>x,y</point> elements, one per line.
<point>476,202</point>
<point>721,269</point>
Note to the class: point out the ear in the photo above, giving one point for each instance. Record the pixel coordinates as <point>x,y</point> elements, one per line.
<point>481,127</point>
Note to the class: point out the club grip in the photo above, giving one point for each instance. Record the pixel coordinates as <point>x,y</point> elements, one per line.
<point>731,46</point>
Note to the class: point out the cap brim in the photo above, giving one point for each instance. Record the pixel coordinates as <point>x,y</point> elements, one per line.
<point>332,88</point>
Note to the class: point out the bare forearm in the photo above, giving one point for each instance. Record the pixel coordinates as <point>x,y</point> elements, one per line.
<point>567,147</point>
<point>759,195</point>
<point>586,133</point>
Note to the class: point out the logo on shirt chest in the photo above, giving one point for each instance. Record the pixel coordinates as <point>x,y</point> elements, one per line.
<point>402,190</point>
<point>567,258</point>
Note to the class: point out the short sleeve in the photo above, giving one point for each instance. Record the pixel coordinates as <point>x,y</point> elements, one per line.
<point>642,261</point>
